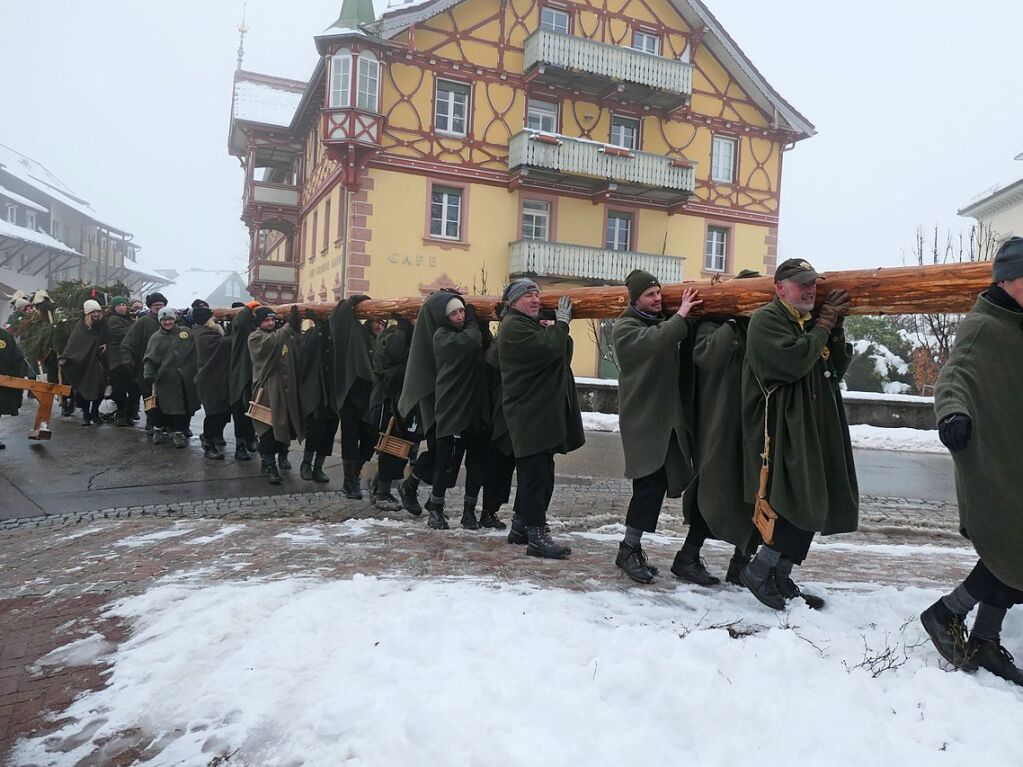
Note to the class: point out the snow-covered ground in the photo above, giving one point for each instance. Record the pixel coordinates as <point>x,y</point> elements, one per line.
<point>378,671</point>
<point>862,435</point>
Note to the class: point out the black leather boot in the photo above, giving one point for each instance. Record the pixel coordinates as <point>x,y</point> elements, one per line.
<point>437,520</point>
<point>948,633</point>
<point>283,462</point>
<point>989,654</point>
<point>469,517</point>
<point>762,582</point>
<point>542,545</point>
<point>631,563</point>
<point>693,569</point>
<point>735,565</point>
<point>518,534</point>
<point>318,475</point>
<point>305,469</point>
<point>241,453</point>
<point>270,470</point>
<point>350,486</point>
<point>488,518</point>
<point>408,490</point>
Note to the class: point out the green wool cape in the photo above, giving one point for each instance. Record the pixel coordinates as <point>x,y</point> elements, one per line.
<point>498,425</point>
<point>275,382</point>
<point>213,357</point>
<point>538,393</point>
<point>718,355</point>
<point>171,363</point>
<point>417,393</point>
<point>390,357</point>
<point>812,477</point>
<point>135,342</point>
<point>84,364</point>
<point>651,414</point>
<point>457,402</point>
<point>352,367</point>
<point>118,326</point>
<point>316,373</point>
<point>983,379</point>
<point>12,363</point>
<point>239,378</point>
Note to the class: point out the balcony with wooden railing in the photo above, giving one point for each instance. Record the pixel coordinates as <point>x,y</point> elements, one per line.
<point>602,71</point>
<point>562,261</point>
<point>599,169</point>
<point>268,205</point>
<point>273,280</point>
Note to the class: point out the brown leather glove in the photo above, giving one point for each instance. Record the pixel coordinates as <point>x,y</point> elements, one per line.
<point>836,305</point>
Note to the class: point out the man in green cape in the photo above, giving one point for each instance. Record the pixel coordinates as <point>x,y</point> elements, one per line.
<point>133,347</point>
<point>390,356</point>
<point>794,362</point>
<point>213,359</point>
<point>169,369</point>
<point>351,343</point>
<point>119,322</point>
<point>316,395</point>
<point>976,401</point>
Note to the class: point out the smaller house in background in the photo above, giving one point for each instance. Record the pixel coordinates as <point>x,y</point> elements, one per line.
<point>999,210</point>
<point>218,287</point>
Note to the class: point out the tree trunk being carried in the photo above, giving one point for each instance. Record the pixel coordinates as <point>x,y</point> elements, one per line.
<point>900,290</point>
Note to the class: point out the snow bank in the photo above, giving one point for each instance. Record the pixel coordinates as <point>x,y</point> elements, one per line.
<point>399,672</point>
<point>900,438</point>
<point>600,421</point>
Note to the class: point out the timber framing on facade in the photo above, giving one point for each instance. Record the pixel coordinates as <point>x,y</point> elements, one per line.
<point>449,140</point>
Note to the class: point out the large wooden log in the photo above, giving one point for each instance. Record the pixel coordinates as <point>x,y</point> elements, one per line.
<point>899,290</point>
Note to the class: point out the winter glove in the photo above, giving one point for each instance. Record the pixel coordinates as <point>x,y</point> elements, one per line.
<point>836,305</point>
<point>470,313</point>
<point>294,319</point>
<point>564,311</point>
<point>954,432</point>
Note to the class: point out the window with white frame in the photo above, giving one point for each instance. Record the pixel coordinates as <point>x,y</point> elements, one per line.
<point>716,253</point>
<point>12,213</point>
<point>619,231</point>
<point>722,165</point>
<point>30,219</point>
<point>554,20</point>
<point>368,90</point>
<point>536,220</point>
<point>340,79</point>
<point>625,132</point>
<point>452,114</point>
<point>446,213</point>
<point>542,116</point>
<point>647,42</point>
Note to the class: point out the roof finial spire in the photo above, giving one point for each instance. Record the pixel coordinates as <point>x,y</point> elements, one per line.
<point>242,29</point>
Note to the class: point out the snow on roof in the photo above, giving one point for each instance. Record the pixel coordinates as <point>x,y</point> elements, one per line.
<point>32,173</point>
<point>30,204</point>
<point>7,229</point>
<point>198,283</point>
<point>266,100</point>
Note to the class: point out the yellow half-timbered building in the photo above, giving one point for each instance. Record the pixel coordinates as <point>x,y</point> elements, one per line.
<point>460,142</point>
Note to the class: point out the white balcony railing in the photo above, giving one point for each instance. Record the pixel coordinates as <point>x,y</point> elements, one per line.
<point>273,272</point>
<point>267,193</point>
<point>589,158</point>
<point>563,260</point>
<point>615,62</point>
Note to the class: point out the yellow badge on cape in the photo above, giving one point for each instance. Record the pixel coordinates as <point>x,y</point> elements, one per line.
<point>826,354</point>
<point>183,334</point>
<point>284,350</point>
<point>3,344</point>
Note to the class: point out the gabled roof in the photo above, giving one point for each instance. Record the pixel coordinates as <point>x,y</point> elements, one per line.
<point>198,283</point>
<point>1001,199</point>
<point>696,15</point>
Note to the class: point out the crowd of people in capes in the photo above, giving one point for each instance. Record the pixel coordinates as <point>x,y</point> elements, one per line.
<point>742,417</point>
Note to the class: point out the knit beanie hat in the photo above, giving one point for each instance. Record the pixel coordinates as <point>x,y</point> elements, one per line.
<point>118,300</point>
<point>201,315</point>
<point>166,312</point>
<point>153,298</point>
<point>200,302</point>
<point>1009,260</point>
<point>92,305</point>
<point>748,273</point>
<point>453,304</point>
<point>638,282</point>
<point>516,289</point>
<point>262,313</point>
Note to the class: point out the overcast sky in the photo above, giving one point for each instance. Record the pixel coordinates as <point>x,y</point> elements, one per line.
<point>917,106</point>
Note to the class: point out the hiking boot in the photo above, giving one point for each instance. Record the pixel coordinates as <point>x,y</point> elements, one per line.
<point>270,470</point>
<point>488,518</point>
<point>631,563</point>
<point>693,569</point>
<point>159,436</point>
<point>67,407</point>
<point>386,502</point>
<point>518,535</point>
<point>735,565</point>
<point>407,494</point>
<point>179,439</point>
<point>212,452</point>
<point>437,520</point>
<point>469,517</point>
<point>948,633</point>
<point>766,590</point>
<point>989,654</point>
<point>542,545</point>
<point>642,558</point>
<point>240,452</point>
<point>350,486</point>
<point>789,590</point>
<point>318,475</point>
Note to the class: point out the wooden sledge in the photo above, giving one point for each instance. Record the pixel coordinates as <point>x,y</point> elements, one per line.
<point>44,393</point>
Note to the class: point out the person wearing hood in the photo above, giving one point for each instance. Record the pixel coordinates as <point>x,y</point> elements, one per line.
<point>135,342</point>
<point>390,356</point>
<point>213,357</point>
<point>976,406</point>
<point>316,395</point>
<point>84,361</point>
<point>715,504</point>
<point>353,382</point>
<point>541,408</point>
<point>14,364</point>
<point>169,368</point>
<point>239,381</point>
<point>655,428</point>
<point>275,385</point>
<point>118,324</point>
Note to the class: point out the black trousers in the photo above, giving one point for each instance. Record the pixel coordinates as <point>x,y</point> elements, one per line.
<point>89,407</point>
<point>647,498</point>
<point>269,446</point>
<point>535,488</point>
<point>320,432</point>
<point>358,438</point>
<point>985,587</point>
<point>213,426</point>
<point>244,430</point>
<point>121,383</point>
<point>168,422</point>
<point>498,469</point>
<point>790,541</point>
